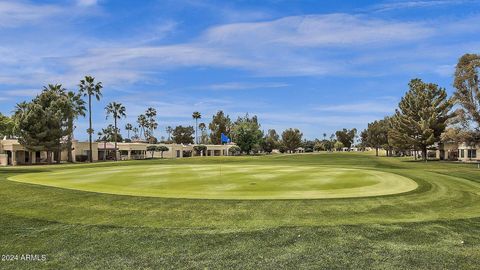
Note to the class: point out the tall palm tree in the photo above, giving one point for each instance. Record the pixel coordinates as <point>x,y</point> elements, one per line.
<point>135,132</point>
<point>324,136</point>
<point>128,128</point>
<point>196,116</point>
<point>103,136</point>
<point>89,88</point>
<point>169,131</point>
<point>75,108</point>
<point>202,127</point>
<point>117,110</point>
<point>151,113</point>
<point>143,123</point>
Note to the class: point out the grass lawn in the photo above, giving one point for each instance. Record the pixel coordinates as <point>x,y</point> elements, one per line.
<point>255,212</point>
<point>226,181</point>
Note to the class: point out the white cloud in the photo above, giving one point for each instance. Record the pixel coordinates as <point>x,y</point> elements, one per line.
<point>312,45</point>
<point>14,14</point>
<point>244,85</point>
<point>272,48</point>
<point>22,92</point>
<point>87,3</point>
<point>318,30</point>
<point>418,4</point>
<point>312,119</point>
<point>363,107</point>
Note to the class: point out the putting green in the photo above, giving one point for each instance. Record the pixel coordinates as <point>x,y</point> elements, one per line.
<point>226,181</point>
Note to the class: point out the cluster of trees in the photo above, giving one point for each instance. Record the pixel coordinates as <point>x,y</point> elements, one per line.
<point>147,124</point>
<point>246,132</point>
<point>153,148</point>
<point>47,122</point>
<point>425,114</point>
<point>48,119</point>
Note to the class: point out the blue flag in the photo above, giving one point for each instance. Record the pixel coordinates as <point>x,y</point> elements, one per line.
<point>225,139</point>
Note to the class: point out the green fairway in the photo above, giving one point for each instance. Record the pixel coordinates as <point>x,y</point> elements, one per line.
<point>408,215</point>
<point>226,181</point>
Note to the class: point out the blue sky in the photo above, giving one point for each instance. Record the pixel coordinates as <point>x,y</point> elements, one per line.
<point>315,65</point>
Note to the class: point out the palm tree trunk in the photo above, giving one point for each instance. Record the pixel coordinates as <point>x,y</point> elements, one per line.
<point>69,141</point>
<point>196,130</point>
<point>90,154</point>
<point>115,137</point>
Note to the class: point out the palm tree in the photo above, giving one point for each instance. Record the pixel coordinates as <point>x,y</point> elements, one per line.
<point>143,123</point>
<point>128,128</point>
<point>151,113</point>
<point>135,132</point>
<point>324,136</point>
<point>75,108</point>
<point>196,116</point>
<point>202,127</point>
<point>117,110</point>
<point>89,88</point>
<point>169,131</point>
<point>103,136</point>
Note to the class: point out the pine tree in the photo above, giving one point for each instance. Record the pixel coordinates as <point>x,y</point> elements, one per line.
<point>421,117</point>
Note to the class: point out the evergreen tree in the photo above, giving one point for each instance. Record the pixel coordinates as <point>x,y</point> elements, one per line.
<point>346,137</point>
<point>6,126</point>
<point>467,86</point>
<point>376,135</point>
<point>270,141</point>
<point>246,133</point>
<point>291,139</point>
<point>41,123</point>
<point>220,124</point>
<point>183,134</point>
<point>421,117</point>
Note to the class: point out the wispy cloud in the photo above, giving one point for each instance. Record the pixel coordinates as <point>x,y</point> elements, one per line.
<point>419,4</point>
<point>14,14</point>
<point>363,107</point>
<point>273,48</point>
<point>87,3</point>
<point>22,92</point>
<point>244,86</point>
<point>318,31</point>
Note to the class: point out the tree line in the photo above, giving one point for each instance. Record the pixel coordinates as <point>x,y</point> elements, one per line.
<point>426,115</point>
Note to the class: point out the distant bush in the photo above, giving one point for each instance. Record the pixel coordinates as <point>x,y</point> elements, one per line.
<point>81,158</point>
<point>234,150</point>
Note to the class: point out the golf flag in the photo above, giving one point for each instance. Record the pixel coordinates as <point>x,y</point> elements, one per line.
<point>225,139</point>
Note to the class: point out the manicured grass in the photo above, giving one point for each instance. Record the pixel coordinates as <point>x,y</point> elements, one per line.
<point>226,181</point>
<point>434,226</point>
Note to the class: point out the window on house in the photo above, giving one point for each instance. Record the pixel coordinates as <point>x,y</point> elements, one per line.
<point>462,153</point>
<point>472,153</point>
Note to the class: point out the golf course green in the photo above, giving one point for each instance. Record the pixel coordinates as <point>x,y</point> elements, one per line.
<point>327,210</point>
<point>229,181</point>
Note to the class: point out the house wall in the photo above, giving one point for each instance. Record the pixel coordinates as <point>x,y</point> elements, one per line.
<point>125,151</point>
<point>3,159</point>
